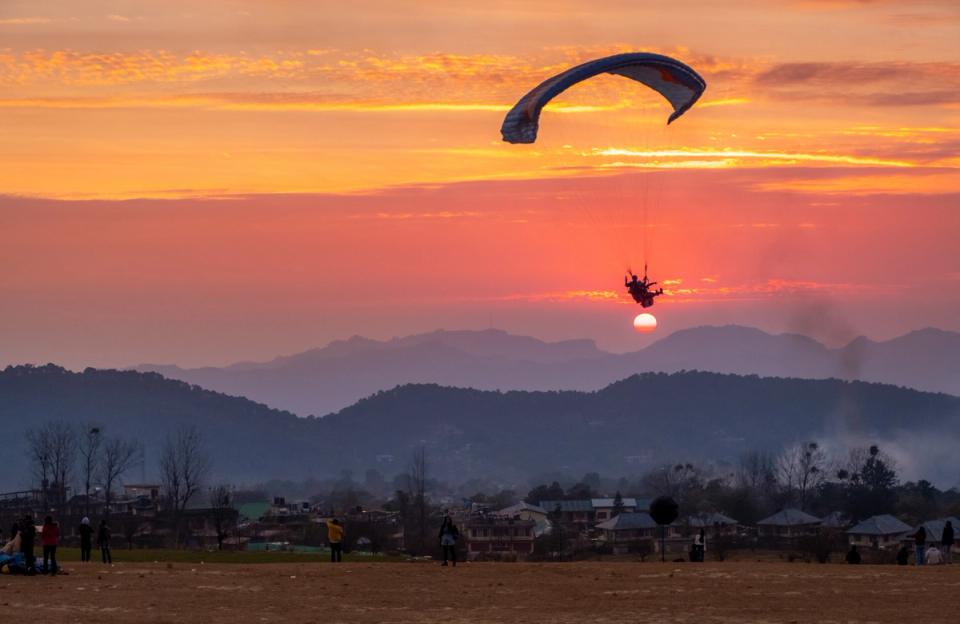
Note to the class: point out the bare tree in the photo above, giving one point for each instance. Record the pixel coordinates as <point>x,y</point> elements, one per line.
<point>53,452</point>
<point>801,469</point>
<point>220,509</point>
<point>418,491</point>
<point>756,471</point>
<point>89,445</point>
<point>119,456</point>
<point>39,452</point>
<point>183,465</point>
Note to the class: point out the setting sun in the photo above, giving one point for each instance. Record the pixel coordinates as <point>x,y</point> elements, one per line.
<point>645,323</point>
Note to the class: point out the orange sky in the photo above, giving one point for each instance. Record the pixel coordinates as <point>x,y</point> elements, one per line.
<point>203,182</point>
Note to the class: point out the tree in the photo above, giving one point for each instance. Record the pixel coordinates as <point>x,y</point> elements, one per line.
<point>617,504</point>
<point>419,506</point>
<point>38,451</point>
<point>545,493</point>
<point>756,471</point>
<point>53,452</point>
<point>183,465</point>
<point>119,456</point>
<point>220,510</point>
<point>801,469</point>
<point>89,445</point>
<point>871,487</point>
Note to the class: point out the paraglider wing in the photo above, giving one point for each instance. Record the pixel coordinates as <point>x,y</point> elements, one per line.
<point>680,85</point>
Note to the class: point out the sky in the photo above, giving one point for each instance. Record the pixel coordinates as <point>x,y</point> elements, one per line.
<point>201,183</point>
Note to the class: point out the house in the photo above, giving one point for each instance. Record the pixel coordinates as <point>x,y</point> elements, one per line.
<point>583,514</point>
<point>492,536</point>
<point>526,511</point>
<point>603,508</point>
<point>374,530</point>
<point>883,531</point>
<point>136,490</point>
<point>788,524</point>
<point>576,514</point>
<point>713,524</point>
<point>836,520</point>
<point>629,531</point>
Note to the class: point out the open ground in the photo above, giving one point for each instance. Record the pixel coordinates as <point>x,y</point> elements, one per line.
<point>487,592</point>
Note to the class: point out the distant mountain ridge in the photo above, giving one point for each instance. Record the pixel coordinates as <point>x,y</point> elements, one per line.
<point>625,428</point>
<point>330,378</point>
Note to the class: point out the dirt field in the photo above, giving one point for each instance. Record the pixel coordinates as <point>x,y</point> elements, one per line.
<point>488,592</point>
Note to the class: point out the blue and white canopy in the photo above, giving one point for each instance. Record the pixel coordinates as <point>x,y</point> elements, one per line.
<point>678,83</point>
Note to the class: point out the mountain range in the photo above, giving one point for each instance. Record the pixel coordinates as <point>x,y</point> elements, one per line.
<point>327,379</point>
<point>626,428</point>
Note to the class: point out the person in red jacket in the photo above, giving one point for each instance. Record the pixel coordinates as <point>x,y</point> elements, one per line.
<point>50,537</point>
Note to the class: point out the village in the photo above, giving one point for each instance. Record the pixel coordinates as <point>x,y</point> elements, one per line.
<point>545,530</point>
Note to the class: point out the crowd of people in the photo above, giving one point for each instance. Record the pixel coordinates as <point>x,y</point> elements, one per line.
<point>17,555</point>
<point>924,553</point>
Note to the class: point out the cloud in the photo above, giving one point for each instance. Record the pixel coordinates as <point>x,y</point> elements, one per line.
<point>732,155</point>
<point>24,21</point>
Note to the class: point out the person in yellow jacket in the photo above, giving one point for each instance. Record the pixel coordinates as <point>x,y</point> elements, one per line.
<point>334,537</point>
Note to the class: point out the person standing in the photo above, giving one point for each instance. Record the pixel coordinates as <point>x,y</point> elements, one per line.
<point>50,537</point>
<point>920,541</point>
<point>28,534</point>
<point>946,539</point>
<point>699,546</point>
<point>103,541</point>
<point>86,539</point>
<point>335,538</point>
<point>449,534</point>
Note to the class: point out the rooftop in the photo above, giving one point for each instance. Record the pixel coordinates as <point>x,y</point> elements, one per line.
<point>789,517</point>
<point>709,520</point>
<point>884,524</point>
<point>628,521</point>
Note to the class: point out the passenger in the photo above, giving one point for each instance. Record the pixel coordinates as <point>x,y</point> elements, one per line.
<point>853,557</point>
<point>86,535</point>
<point>103,541</point>
<point>449,534</point>
<point>50,537</point>
<point>335,538</point>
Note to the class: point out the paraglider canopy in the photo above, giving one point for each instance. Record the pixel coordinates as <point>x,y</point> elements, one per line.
<point>680,85</point>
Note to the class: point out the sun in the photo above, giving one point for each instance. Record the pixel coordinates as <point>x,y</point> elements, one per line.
<point>645,323</point>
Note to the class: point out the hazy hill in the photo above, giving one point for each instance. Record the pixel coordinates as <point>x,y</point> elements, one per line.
<point>332,377</point>
<point>625,428</point>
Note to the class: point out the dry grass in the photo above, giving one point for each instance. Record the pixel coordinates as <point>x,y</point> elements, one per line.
<point>425,592</point>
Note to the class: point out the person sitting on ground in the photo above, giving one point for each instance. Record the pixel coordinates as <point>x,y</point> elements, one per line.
<point>853,557</point>
<point>50,537</point>
<point>903,556</point>
<point>335,538</point>
<point>932,556</point>
<point>13,546</point>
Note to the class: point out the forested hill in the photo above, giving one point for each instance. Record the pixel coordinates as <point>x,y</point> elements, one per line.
<point>626,428</point>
